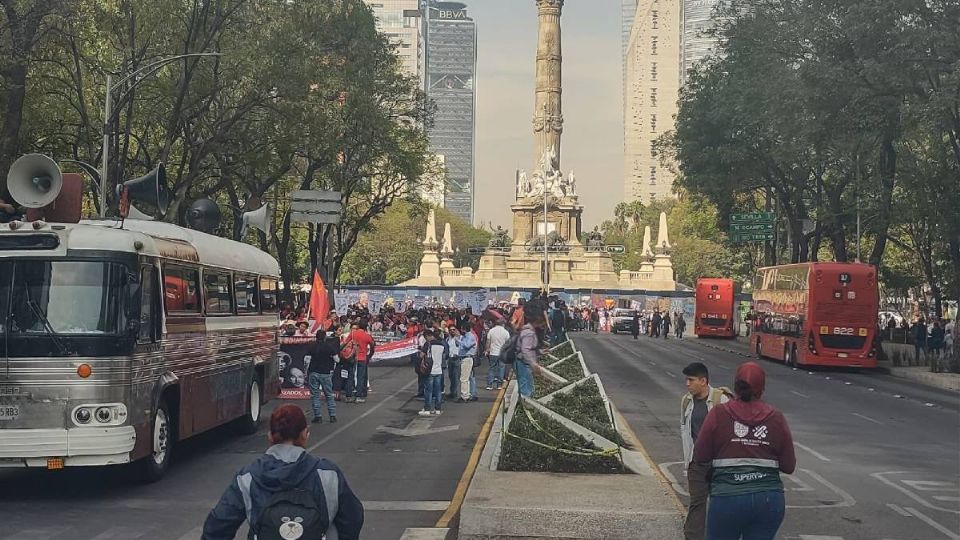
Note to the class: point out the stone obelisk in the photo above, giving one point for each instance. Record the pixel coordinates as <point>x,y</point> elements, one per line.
<point>548,111</point>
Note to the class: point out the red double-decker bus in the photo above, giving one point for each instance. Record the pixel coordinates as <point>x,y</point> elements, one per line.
<point>715,312</point>
<point>817,314</point>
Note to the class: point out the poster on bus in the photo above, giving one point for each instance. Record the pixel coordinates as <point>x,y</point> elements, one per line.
<point>294,365</point>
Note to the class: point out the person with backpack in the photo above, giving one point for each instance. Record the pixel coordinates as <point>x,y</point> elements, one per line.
<point>434,356</point>
<point>287,492</point>
<point>741,450</point>
<point>696,403</point>
<point>323,354</point>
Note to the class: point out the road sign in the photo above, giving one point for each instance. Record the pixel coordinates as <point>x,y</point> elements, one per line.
<point>480,250</point>
<point>751,227</point>
<point>315,206</point>
<point>615,249</point>
<point>753,217</point>
<point>740,238</point>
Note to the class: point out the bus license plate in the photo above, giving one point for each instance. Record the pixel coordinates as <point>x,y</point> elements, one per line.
<point>9,412</point>
<point>842,355</point>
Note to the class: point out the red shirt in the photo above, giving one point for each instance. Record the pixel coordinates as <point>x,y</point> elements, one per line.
<point>364,343</point>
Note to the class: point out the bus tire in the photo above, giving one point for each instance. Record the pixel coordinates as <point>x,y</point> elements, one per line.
<point>787,360</point>
<point>793,356</point>
<point>250,421</point>
<point>155,465</point>
<point>759,349</point>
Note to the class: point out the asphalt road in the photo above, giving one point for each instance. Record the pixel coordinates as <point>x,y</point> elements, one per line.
<point>405,482</point>
<point>878,457</point>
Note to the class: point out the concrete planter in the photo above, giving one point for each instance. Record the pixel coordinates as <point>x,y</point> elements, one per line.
<point>506,505</point>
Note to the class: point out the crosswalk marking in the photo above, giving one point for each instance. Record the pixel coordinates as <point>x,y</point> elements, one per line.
<point>424,534</point>
<point>125,533</point>
<point>33,534</point>
<point>819,537</point>
<point>194,534</point>
<point>929,485</point>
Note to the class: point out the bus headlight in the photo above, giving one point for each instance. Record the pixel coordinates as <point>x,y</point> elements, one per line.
<point>101,414</point>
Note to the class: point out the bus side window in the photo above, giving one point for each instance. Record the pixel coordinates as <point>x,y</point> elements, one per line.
<point>268,295</point>
<point>147,305</point>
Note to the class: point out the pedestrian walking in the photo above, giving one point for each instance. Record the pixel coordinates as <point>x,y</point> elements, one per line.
<point>435,354</point>
<point>655,324</point>
<point>531,342</point>
<point>666,325</point>
<point>468,351</point>
<point>323,354</point>
<point>742,448</point>
<point>635,325</point>
<point>497,337</point>
<point>681,325</point>
<point>365,350</point>
<point>453,350</point>
<point>696,403</point>
<point>919,332</point>
<point>937,341</point>
<point>949,339</point>
<point>595,321</point>
<point>287,492</point>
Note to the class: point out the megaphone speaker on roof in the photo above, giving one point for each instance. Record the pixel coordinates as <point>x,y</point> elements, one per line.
<point>257,219</point>
<point>34,180</point>
<point>135,213</point>
<point>204,216</point>
<point>150,188</point>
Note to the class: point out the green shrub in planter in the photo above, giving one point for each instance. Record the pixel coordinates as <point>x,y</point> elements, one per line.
<point>543,386</point>
<point>519,454</point>
<point>585,406</point>
<point>562,352</point>
<point>569,369</point>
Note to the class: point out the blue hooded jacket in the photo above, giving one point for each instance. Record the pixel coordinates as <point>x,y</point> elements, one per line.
<point>285,467</point>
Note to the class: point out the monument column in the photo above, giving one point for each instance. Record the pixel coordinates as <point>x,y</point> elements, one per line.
<point>548,111</point>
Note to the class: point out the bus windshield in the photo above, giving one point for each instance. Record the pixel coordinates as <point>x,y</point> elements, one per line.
<point>62,297</point>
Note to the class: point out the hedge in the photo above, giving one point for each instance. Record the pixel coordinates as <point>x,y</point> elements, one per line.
<point>569,369</point>
<point>562,352</point>
<point>543,386</point>
<point>521,455</point>
<point>585,406</point>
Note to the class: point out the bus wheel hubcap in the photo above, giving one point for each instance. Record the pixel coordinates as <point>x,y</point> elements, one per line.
<point>160,429</point>
<point>255,401</point>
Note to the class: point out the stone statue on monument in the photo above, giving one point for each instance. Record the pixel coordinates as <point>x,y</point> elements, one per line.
<point>500,239</point>
<point>594,240</point>
<point>571,184</point>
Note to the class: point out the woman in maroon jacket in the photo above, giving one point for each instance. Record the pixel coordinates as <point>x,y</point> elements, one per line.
<point>745,444</point>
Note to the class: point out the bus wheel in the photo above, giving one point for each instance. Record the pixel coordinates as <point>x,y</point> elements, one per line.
<point>250,421</point>
<point>161,448</point>
<point>793,356</point>
<point>787,361</point>
<point>759,350</point>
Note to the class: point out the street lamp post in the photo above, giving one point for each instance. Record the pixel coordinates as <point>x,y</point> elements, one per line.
<point>134,78</point>
<point>546,252</point>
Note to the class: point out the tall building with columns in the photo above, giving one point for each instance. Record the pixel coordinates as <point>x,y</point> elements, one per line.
<point>652,74</point>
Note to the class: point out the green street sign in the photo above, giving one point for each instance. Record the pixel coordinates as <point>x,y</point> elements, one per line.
<point>742,238</point>
<point>615,249</point>
<point>753,217</point>
<point>751,227</point>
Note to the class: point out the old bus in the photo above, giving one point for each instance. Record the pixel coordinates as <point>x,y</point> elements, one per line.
<point>715,310</point>
<point>120,340</point>
<point>817,314</point>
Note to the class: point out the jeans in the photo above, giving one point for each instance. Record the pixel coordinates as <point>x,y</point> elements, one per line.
<point>362,380</point>
<point>524,378</point>
<point>422,384</point>
<point>454,373</point>
<point>466,374</point>
<point>754,516</point>
<point>322,382</point>
<point>495,373</point>
<point>694,527</point>
<point>432,394</point>
<point>350,385</point>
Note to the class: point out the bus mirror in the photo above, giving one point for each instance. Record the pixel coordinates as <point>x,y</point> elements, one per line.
<point>133,327</point>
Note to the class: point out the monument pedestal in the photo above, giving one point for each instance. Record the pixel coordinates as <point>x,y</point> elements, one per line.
<point>563,216</point>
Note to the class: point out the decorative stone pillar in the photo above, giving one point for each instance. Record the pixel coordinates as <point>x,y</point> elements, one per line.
<point>548,111</point>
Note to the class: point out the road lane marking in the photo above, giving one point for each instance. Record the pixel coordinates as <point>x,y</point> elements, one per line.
<point>926,485</point>
<point>867,418</point>
<point>946,498</point>
<point>129,533</point>
<point>424,534</point>
<point>33,534</point>
<point>899,509</point>
<point>370,411</point>
<point>934,524</point>
<point>196,533</point>
<point>799,394</point>
<point>819,537</point>
<point>406,506</point>
<point>670,374</point>
<point>882,476</point>
<point>816,454</point>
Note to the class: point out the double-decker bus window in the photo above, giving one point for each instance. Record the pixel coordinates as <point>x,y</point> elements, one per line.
<point>216,290</point>
<point>245,293</point>
<point>268,295</point>
<point>181,292</point>
<point>147,318</point>
<point>6,276</point>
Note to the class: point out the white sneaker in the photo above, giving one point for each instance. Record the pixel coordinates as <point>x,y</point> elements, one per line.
<point>489,388</point>
<point>424,413</point>
<point>437,413</point>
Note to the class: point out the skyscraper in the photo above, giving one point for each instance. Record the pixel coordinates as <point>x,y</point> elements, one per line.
<point>628,8</point>
<point>697,19</point>
<point>400,21</point>
<point>651,89</point>
<point>451,66</point>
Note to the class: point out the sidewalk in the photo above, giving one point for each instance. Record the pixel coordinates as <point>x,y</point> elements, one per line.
<point>922,375</point>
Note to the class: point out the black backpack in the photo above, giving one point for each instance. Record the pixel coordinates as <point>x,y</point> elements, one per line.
<point>510,351</point>
<point>293,515</point>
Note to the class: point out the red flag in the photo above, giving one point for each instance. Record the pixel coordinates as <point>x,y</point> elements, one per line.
<point>319,302</point>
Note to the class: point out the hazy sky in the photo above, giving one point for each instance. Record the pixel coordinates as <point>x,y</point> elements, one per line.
<point>593,133</point>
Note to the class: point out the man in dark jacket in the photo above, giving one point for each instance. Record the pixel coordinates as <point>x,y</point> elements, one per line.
<point>285,467</point>
<point>323,356</point>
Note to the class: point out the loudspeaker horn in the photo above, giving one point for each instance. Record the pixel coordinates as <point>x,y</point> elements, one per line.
<point>150,188</point>
<point>135,213</point>
<point>204,216</point>
<point>258,219</point>
<point>34,180</point>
